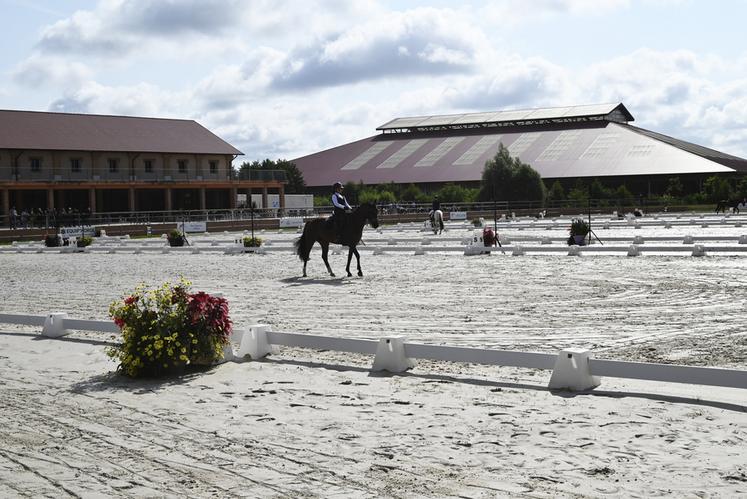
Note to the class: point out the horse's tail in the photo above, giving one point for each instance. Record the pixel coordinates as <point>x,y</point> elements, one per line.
<point>302,249</point>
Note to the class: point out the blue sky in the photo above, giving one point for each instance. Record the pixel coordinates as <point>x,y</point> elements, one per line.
<point>281,78</point>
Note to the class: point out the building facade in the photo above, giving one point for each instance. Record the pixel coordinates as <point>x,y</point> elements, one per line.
<point>118,164</point>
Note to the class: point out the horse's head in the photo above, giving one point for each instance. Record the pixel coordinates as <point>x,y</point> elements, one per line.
<point>369,213</point>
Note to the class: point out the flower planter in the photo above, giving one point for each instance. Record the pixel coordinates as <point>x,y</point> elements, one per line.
<point>579,240</point>
<point>176,241</point>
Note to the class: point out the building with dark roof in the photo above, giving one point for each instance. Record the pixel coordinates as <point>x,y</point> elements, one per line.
<point>118,163</point>
<point>560,143</point>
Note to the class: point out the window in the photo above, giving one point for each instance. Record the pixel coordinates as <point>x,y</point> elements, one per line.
<point>35,164</point>
<point>148,164</point>
<point>182,165</point>
<point>75,165</point>
<point>213,167</point>
<point>113,165</point>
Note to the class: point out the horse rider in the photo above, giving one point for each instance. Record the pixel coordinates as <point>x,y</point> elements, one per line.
<point>341,208</point>
<point>432,215</point>
<point>436,204</point>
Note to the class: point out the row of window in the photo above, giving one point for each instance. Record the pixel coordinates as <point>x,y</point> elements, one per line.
<point>113,164</point>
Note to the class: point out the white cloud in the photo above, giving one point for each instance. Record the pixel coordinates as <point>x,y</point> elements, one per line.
<point>38,71</point>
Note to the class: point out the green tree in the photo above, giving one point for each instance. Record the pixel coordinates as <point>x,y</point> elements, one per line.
<point>716,188</point>
<point>556,192</point>
<point>579,193</point>
<point>296,183</point>
<point>451,193</point>
<point>411,192</point>
<point>508,179</point>
<point>674,187</point>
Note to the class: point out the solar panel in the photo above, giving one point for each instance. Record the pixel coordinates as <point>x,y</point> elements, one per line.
<point>520,145</point>
<point>477,150</point>
<point>600,146</point>
<point>439,152</point>
<point>366,156</point>
<point>403,153</point>
<point>558,146</point>
<point>640,151</point>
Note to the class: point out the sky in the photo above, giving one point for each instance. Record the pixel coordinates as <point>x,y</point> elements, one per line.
<point>282,79</point>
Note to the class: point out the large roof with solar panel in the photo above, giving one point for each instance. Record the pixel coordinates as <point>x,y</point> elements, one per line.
<point>564,142</point>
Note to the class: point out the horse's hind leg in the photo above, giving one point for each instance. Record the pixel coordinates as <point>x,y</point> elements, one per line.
<point>325,251</point>
<point>358,259</point>
<point>350,257</point>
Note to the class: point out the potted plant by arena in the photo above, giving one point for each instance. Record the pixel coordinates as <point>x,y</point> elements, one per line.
<point>578,231</point>
<point>84,241</point>
<point>175,238</point>
<point>252,242</point>
<point>168,328</point>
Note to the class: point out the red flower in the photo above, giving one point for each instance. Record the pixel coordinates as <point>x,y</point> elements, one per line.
<point>130,300</point>
<point>119,322</point>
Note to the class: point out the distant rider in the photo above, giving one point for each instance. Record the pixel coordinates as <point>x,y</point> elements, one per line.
<point>341,208</point>
<point>432,215</point>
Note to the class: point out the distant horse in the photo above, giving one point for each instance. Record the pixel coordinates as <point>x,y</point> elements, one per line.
<point>321,231</point>
<point>437,221</point>
<point>733,205</point>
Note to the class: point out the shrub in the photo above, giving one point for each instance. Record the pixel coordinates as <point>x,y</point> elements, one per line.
<point>52,241</point>
<point>168,328</point>
<point>175,238</point>
<point>252,242</point>
<point>579,227</point>
<point>84,241</point>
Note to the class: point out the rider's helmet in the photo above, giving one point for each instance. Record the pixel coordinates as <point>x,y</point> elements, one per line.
<point>336,185</point>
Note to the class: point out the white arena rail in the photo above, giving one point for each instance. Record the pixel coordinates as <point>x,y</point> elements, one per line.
<point>572,369</point>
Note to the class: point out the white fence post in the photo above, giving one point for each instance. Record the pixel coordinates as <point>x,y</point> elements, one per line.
<point>390,356</point>
<point>54,326</point>
<point>254,342</point>
<point>571,371</point>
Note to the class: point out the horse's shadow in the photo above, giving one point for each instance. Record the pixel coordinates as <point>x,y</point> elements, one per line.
<point>303,281</point>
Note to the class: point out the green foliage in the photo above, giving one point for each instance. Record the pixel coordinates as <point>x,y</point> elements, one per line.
<point>167,328</point>
<point>556,192</point>
<point>252,242</point>
<point>623,193</point>
<point>296,183</point>
<point>84,241</point>
<point>452,193</point>
<point>508,179</point>
<point>579,227</point>
<point>175,238</point>
<point>369,195</point>
<point>52,241</point>
<point>716,188</point>
<point>411,192</point>
<point>579,193</point>
<point>674,187</point>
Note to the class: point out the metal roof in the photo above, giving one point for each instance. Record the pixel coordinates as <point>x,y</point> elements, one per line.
<point>611,112</point>
<point>89,132</point>
<point>585,149</point>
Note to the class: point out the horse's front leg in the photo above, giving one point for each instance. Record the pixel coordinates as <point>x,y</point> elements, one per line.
<point>358,259</point>
<point>325,250</point>
<point>350,256</point>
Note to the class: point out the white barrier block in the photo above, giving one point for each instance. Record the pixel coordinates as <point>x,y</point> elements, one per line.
<point>606,225</point>
<point>637,226</point>
<point>546,240</point>
<point>336,251</point>
<point>667,225</point>
<point>138,250</point>
<point>425,241</point>
<point>166,249</point>
<point>378,251</point>
<point>112,250</point>
<point>574,251</point>
<point>633,250</point>
<point>390,356</point>
<point>254,342</point>
<point>504,239</point>
<point>737,224</point>
<point>743,239</point>
<point>688,239</point>
<point>391,242</point>
<point>53,325</point>
<point>704,225</point>
<point>699,250</point>
<point>214,243</point>
<point>195,250</point>
<point>419,251</point>
<point>571,371</point>
<point>518,251</point>
<point>638,240</point>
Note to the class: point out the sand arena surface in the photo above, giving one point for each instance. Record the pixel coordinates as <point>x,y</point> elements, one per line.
<point>318,424</point>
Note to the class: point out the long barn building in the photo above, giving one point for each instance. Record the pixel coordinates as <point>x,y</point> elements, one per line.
<point>119,164</point>
<point>560,143</point>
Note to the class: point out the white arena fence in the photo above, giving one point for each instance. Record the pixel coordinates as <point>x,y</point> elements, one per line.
<point>572,369</point>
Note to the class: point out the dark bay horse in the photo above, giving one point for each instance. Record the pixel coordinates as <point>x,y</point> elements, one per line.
<point>319,231</point>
